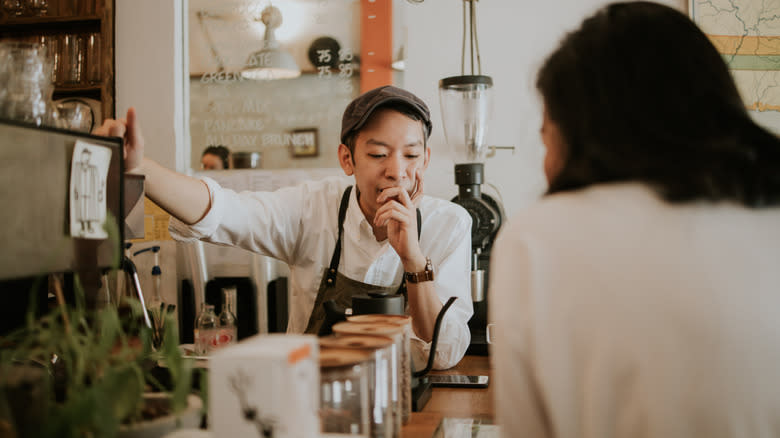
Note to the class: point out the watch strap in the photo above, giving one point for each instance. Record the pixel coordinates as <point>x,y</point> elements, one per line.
<point>419,277</point>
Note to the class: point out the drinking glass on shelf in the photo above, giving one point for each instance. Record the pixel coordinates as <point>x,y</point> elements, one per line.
<point>35,8</point>
<point>94,59</point>
<point>12,7</point>
<point>72,60</point>
<point>52,45</point>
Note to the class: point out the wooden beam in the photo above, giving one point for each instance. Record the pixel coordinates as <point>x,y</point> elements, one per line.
<point>376,44</point>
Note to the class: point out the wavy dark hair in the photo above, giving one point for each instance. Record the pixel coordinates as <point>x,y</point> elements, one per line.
<point>221,151</point>
<point>640,94</point>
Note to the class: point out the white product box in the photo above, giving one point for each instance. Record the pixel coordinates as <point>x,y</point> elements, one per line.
<point>266,385</point>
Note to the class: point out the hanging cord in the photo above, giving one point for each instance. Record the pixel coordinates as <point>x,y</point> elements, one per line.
<point>475,41</point>
<point>471,35</point>
<point>201,14</point>
<point>495,189</point>
<point>463,45</point>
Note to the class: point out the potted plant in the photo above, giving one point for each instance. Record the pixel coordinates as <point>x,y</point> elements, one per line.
<point>81,373</point>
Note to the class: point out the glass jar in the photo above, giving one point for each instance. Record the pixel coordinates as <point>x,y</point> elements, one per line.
<point>72,59</point>
<point>94,59</point>
<point>401,394</point>
<point>25,69</point>
<point>344,391</point>
<point>408,365</point>
<point>381,380</point>
<point>206,327</point>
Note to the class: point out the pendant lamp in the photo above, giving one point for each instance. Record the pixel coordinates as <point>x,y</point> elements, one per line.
<point>270,62</point>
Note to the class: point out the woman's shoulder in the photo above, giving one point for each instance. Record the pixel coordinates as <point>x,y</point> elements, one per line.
<point>594,206</point>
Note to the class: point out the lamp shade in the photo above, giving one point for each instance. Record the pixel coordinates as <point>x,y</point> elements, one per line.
<point>270,62</point>
<point>466,107</point>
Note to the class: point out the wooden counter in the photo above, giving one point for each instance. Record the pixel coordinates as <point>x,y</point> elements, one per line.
<point>474,403</point>
<point>465,402</point>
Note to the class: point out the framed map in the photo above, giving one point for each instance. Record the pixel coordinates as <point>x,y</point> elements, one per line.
<point>747,34</point>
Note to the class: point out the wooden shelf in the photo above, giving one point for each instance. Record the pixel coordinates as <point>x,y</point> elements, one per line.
<point>5,21</point>
<point>76,88</point>
<point>91,91</point>
<point>46,24</point>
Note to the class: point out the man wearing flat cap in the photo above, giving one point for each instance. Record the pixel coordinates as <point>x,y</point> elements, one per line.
<point>380,234</point>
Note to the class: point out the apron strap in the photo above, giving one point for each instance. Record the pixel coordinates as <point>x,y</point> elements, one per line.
<point>336,257</point>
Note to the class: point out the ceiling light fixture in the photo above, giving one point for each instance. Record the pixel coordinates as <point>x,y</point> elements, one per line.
<point>271,62</point>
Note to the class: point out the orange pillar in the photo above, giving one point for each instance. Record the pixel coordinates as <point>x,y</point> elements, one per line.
<point>376,43</point>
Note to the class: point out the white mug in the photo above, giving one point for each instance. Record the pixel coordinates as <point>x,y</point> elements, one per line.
<point>490,333</point>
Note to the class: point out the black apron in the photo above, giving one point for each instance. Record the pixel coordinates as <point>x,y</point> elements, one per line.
<point>339,288</point>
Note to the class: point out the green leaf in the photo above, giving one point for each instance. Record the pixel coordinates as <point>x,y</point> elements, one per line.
<point>124,386</point>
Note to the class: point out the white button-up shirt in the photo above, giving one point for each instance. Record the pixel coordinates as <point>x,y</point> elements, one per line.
<point>299,226</point>
<point>641,319</point>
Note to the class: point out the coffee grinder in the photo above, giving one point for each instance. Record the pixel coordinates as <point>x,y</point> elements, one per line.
<point>466,104</point>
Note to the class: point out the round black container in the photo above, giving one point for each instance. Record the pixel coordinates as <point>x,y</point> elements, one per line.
<point>371,304</point>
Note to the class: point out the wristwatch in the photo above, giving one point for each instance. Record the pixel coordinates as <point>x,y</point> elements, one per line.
<point>419,277</point>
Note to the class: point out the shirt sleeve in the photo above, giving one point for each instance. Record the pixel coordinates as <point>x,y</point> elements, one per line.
<point>452,268</point>
<point>264,222</point>
<point>208,224</point>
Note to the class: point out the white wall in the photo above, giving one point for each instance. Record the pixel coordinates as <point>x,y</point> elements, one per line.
<point>149,57</point>
<point>150,75</point>
<point>514,38</point>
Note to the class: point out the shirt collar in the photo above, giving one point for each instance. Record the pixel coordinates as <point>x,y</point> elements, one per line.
<point>356,218</point>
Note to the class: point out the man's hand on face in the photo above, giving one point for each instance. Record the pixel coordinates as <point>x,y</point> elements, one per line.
<point>398,212</point>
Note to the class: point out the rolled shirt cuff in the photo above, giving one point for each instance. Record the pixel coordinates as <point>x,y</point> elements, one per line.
<point>207,226</point>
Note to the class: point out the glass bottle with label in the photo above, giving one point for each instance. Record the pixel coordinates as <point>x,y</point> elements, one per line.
<point>206,330</point>
<point>227,318</point>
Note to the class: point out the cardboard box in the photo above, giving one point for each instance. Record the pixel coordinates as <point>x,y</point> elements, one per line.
<point>266,385</point>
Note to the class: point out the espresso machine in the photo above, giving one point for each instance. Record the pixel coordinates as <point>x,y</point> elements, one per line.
<point>465,102</point>
<point>466,106</point>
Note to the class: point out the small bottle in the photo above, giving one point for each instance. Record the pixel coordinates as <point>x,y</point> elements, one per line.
<point>103,299</point>
<point>206,327</point>
<point>227,318</point>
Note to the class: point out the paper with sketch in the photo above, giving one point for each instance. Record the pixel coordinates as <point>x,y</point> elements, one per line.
<point>88,173</point>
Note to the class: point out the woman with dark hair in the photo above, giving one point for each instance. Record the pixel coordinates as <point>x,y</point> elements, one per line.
<point>640,296</point>
<point>215,157</point>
